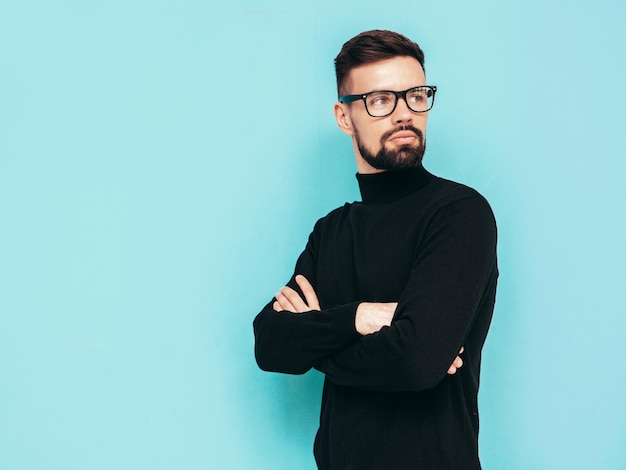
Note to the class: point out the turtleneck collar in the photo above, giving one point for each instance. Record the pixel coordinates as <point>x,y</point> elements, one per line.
<point>389,186</point>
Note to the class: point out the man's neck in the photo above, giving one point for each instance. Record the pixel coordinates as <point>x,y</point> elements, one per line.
<point>389,186</point>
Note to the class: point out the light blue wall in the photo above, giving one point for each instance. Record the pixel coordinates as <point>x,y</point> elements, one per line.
<point>162,163</point>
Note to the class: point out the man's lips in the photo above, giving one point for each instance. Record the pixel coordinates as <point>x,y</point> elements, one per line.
<point>403,137</point>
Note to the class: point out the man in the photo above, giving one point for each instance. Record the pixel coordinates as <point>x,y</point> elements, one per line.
<point>393,296</point>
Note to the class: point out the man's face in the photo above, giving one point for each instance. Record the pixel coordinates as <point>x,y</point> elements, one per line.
<point>392,142</point>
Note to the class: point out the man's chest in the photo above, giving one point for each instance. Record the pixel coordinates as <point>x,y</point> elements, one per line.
<point>368,258</point>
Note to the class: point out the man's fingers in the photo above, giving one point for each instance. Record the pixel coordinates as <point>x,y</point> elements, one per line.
<point>295,299</point>
<point>291,300</point>
<point>288,299</point>
<point>308,291</point>
<point>284,302</point>
<point>456,364</point>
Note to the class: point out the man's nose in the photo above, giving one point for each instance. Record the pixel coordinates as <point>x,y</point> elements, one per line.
<point>402,113</point>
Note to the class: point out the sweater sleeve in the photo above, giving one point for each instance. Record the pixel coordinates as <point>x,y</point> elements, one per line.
<point>293,343</point>
<point>452,279</point>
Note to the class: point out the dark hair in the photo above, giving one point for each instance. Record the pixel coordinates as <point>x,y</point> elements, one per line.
<point>372,46</point>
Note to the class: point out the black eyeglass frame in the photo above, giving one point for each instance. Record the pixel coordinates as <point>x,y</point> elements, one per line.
<point>398,94</point>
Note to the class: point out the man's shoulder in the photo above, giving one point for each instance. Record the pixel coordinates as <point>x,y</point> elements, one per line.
<point>452,200</point>
<point>453,188</point>
<point>337,213</point>
<point>445,191</point>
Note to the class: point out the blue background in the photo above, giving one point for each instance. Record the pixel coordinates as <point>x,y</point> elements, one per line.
<point>162,163</point>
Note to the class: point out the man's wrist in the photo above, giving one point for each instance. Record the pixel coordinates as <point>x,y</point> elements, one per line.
<point>372,316</point>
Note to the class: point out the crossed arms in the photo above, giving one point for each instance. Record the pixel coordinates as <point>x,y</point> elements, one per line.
<point>369,319</point>
<point>408,344</point>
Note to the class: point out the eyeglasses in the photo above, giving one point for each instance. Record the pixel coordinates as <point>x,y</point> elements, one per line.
<point>382,103</point>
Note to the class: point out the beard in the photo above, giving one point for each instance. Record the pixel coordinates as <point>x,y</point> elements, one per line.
<point>403,158</point>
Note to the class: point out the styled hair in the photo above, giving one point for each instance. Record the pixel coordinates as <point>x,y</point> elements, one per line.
<point>372,46</point>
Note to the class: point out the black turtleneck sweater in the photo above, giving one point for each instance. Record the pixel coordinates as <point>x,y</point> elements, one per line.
<point>388,403</point>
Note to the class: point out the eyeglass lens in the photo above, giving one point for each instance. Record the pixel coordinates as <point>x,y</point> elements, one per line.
<point>382,103</point>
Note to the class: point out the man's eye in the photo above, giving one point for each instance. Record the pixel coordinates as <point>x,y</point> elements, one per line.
<point>379,100</point>
<point>417,97</point>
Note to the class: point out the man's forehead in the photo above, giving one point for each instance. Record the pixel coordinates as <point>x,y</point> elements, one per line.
<point>399,73</point>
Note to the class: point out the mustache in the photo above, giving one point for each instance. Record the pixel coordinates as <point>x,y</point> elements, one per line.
<point>404,127</point>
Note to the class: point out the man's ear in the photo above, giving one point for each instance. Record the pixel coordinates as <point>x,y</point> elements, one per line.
<point>343,118</point>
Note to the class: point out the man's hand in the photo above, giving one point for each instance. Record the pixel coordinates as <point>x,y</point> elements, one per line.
<point>288,299</point>
<point>456,364</point>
